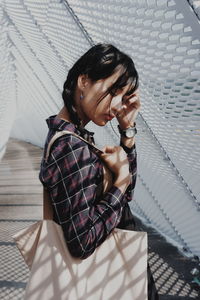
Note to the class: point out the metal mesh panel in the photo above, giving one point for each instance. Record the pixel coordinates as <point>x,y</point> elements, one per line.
<point>7,80</point>
<point>46,37</point>
<point>166,52</point>
<point>195,4</point>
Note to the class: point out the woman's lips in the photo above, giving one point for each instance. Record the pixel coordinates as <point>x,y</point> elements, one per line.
<point>109,117</point>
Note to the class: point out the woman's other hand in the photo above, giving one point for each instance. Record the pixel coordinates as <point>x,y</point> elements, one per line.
<point>116,160</point>
<point>130,108</point>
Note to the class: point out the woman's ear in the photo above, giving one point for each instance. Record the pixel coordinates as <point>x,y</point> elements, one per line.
<point>83,81</point>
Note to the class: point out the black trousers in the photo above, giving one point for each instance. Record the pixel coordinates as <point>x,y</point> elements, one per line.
<point>127,222</point>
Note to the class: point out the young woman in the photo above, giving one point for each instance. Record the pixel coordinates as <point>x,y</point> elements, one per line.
<point>102,85</point>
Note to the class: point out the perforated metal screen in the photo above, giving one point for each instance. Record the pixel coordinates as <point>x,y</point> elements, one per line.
<point>40,41</point>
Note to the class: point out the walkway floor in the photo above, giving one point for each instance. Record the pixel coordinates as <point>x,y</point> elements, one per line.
<point>21,205</point>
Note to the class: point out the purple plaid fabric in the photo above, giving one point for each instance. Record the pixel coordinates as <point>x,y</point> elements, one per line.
<point>73,176</point>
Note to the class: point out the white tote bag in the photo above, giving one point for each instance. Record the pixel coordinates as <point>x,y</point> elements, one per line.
<point>116,270</point>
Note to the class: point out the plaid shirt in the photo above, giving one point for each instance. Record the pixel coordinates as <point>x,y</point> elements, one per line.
<point>73,175</point>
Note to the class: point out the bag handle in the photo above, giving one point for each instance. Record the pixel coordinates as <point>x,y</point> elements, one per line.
<point>64,132</point>
<point>47,207</point>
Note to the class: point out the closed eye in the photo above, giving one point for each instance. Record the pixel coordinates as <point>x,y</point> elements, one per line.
<point>126,97</point>
<point>128,94</point>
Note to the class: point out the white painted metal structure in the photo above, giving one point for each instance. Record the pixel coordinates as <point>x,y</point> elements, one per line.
<point>41,39</point>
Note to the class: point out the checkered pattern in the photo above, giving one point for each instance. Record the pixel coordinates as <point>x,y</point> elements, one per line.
<point>73,175</point>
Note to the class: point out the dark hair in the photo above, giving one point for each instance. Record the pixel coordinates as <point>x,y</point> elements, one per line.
<point>99,62</point>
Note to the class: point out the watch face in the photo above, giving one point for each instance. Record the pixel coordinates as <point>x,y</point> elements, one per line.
<point>130,132</point>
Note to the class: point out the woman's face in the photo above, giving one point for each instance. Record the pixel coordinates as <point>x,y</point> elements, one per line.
<point>94,106</point>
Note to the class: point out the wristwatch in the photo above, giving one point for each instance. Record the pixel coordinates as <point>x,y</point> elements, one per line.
<point>129,132</point>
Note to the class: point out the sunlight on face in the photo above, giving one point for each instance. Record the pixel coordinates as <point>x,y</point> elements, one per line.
<point>100,103</point>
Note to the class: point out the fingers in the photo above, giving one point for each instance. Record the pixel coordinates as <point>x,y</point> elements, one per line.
<point>132,105</point>
<point>109,149</point>
<point>133,100</point>
<point>114,154</point>
<point>116,160</point>
<point>112,150</point>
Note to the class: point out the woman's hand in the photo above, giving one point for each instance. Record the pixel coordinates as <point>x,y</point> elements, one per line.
<point>116,160</point>
<point>130,108</point>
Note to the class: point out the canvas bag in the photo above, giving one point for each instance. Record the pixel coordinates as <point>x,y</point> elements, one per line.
<point>116,270</point>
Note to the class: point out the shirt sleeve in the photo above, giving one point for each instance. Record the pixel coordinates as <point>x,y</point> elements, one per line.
<point>132,158</point>
<point>71,178</point>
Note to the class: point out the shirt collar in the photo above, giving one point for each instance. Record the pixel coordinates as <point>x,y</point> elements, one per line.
<point>57,124</point>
